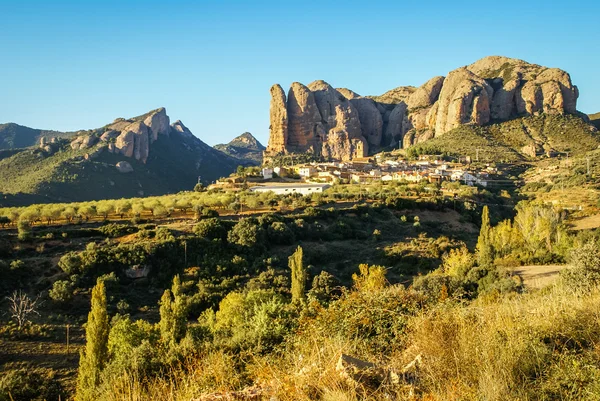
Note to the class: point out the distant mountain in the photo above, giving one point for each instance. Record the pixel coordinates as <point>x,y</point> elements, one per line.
<point>595,119</point>
<point>245,147</point>
<point>17,136</point>
<point>144,155</point>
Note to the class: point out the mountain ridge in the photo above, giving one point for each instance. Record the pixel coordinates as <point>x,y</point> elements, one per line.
<point>143,155</point>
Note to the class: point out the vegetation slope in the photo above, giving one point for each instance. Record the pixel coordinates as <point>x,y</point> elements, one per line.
<point>244,147</point>
<point>506,141</point>
<point>17,136</point>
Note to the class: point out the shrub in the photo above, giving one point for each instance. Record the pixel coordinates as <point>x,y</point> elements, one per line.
<point>280,233</point>
<point>584,273</point>
<point>114,230</point>
<point>71,263</point>
<point>28,384</point>
<point>246,233</point>
<point>61,291</point>
<point>211,228</point>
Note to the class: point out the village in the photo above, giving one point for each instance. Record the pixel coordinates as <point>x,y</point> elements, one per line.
<point>308,178</point>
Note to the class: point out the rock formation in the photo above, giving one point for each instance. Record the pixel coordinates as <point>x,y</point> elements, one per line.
<point>278,131</point>
<point>341,124</point>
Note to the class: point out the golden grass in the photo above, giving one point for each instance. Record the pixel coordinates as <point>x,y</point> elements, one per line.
<point>535,346</point>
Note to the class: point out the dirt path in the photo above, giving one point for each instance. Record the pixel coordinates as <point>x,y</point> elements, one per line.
<point>538,276</point>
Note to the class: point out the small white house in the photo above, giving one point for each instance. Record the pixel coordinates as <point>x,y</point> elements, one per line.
<point>267,173</point>
<point>307,171</point>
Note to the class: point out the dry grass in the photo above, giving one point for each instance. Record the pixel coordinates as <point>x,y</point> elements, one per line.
<point>539,276</point>
<point>535,346</point>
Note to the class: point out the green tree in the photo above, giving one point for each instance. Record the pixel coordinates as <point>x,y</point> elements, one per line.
<point>94,356</point>
<point>246,233</point>
<point>173,313</point>
<point>299,275</point>
<point>485,255</point>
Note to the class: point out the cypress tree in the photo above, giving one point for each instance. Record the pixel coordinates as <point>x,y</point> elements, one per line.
<point>299,275</point>
<point>93,357</point>
<point>484,249</point>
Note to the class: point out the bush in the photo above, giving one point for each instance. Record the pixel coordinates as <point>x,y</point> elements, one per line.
<point>584,273</point>
<point>246,233</point>
<point>71,263</point>
<point>253,320</point>
<point>62,291</point>
<point>28,384</point>
<point>280,233</point>
<point>114,230</point>
<point>211,228</point>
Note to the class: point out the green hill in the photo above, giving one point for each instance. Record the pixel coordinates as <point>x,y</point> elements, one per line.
<point>516,140</point>
<point>245,147</point>
<point>17,136</point>
<point>60,173</point>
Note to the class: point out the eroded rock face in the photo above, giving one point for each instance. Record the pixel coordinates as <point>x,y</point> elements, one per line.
<point>371,121</point>
<point>278,130</point>
<point>339,122</point>
<point>305,127</point>
<point>157,123</point>
<point>465,99</point>
<point>425,95</point>
<point>178,127</point>
<point>397,125</point>
<point>125,143</point>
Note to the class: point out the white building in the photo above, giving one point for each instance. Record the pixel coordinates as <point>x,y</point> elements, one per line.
<point>267,173</point>
<point>303,189</point>
<point>307,171</point>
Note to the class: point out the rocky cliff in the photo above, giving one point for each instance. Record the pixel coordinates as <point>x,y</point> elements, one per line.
<point>340,124</point>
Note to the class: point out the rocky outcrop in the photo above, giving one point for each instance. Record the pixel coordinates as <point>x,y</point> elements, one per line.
<point>157,123</point>
<point>83,142</point>
<point>425,95</point>
<point>133,137</point>
<point>339,123</point>
<point>371,121</point>
<point>465,99</point>
<point>278,130</point>
<point>318,118</point>
<point>305,127</point>
<point>125,143</point>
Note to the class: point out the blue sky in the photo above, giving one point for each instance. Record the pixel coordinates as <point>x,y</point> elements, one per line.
<point>69,65</point>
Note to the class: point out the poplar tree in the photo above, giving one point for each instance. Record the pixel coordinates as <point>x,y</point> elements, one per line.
<point>94,356</point>
<point>299,275</point>
<point>484,250</point>
<point>173,313</point>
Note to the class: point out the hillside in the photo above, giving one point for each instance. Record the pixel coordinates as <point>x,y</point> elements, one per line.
<point>516,140</point>
<point>595,119</point>
<point>244,147</point>
<point>103,164</point>
<point>17,136</point>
